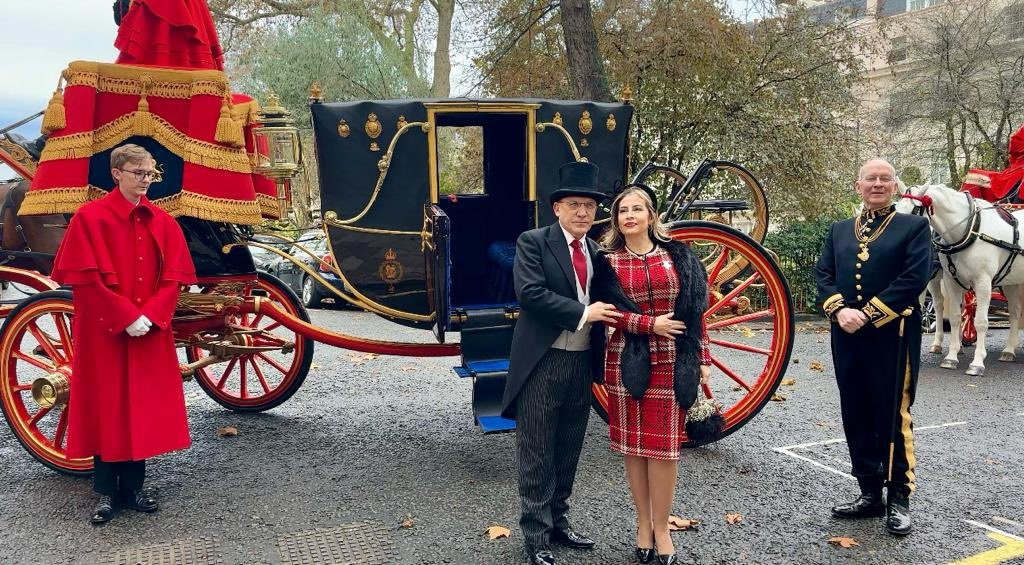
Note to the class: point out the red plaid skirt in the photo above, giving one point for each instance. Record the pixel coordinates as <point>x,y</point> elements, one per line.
<point>650,427</point>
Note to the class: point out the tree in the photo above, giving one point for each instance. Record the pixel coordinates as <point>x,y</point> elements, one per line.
<point>586,71</point>
<point>960,95</point>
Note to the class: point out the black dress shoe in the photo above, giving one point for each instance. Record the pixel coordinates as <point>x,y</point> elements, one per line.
<point>542,556</point>
<point>569,538</point>
<point>143,500</point>
<point>869,505</point>
<point>669,559</point>
<point>645,554</point>
<point>897,515</point>
<point>103,512</point>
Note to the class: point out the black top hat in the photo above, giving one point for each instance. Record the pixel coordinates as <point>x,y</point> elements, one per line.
<point>577,179</point>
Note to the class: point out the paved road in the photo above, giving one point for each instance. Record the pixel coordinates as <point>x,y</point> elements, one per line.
<point>378,441</point>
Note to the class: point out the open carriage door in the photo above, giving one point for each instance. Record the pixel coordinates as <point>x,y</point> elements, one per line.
<point>437,256</point>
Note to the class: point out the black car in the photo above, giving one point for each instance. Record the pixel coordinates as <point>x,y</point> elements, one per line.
<point>264,258</point>
<point>310,291</point>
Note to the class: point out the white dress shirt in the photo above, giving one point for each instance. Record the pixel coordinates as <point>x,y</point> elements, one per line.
<point>578,340</point>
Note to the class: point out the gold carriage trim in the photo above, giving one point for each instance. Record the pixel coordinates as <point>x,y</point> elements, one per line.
<point>185,203</point>
<point>878,312</point>
<point>978,179</point>
<point>86,144</point>
<point>833,304</point>
<point>268,205</point>
<point>165,83</point>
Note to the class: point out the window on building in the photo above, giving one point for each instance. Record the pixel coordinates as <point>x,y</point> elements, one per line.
<point>898,50</point>
<point>913,5</point>
<point>1013,16</point>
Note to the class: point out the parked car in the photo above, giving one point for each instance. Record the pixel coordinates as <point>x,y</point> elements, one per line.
<point>263,258</point>
<point>310,291</point>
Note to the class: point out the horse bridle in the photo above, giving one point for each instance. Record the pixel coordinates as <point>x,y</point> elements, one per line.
<point>973,216</point>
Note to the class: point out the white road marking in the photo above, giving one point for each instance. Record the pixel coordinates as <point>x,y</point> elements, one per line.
<point>786,451</point>
<point>991,529</point>
<point>1007,521</point>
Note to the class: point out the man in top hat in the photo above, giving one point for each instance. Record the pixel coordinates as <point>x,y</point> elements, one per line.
<point>557,352</point>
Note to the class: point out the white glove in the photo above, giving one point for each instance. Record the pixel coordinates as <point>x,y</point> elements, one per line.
<point>139,327</point>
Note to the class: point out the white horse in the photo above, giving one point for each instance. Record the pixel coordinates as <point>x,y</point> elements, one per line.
<point>939,302</point>
<point>979,243</point>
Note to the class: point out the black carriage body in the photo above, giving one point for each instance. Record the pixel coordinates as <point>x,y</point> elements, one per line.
<point>424,258</point>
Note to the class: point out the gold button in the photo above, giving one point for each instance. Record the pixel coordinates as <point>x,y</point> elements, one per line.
<point>859,297</point>
<point>140,259</point>
<point>857,276</point>
<point>858,264</point>
<point>858,286</point>
<point>139,300</point>
<point>140,280</point>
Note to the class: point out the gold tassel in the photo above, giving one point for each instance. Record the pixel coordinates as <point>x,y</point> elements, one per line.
<point>229,131</point>
<point>55,117</point>
<point>143,119</point>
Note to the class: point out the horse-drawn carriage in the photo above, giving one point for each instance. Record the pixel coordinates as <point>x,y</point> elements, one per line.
<point>419,251</point>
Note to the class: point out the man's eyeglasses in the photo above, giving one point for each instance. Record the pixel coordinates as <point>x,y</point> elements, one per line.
<point>574,205</point>
<point>873,179</point>
<point>141,175</point>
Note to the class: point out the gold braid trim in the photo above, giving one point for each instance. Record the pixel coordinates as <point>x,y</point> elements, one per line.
<point>127,79</point>
<point>245,112</point>
<point>86,144</point>
<point>185,203</point>
<point>833,304</point>
<point>878,312</point>
<point>268,206</point>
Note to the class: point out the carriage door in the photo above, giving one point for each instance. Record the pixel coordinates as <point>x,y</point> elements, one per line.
<point>436,253</point>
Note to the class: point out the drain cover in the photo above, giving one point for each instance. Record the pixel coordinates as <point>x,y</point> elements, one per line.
<point>361,543</point>
<point>197,551</point>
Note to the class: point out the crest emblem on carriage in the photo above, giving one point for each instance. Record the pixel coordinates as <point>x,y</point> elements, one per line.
<point>343,129</point>
<point>373,129</point>
<point>586,124</point>
<point>390,270</point>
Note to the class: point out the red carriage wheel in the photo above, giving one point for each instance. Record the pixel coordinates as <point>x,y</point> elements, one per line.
<point>36,352</point>
<point>260,381</point>
<point>749,322</point>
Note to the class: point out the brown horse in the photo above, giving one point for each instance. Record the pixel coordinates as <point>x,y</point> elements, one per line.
<point>23,235</point>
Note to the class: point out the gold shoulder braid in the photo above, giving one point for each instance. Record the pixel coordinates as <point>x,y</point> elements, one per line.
<point>861,231</point>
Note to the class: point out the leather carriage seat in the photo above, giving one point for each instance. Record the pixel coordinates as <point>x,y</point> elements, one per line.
<point>501,256</point>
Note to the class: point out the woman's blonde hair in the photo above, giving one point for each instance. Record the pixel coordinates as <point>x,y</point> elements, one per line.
<point>613,240</point>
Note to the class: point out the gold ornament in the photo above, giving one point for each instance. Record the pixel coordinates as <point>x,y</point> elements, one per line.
<point>401,122</point>
<point>610,122</point>
<point>557,120</point>
<point>373,128</point>
<point>586,124</point>
<point>343,129</point>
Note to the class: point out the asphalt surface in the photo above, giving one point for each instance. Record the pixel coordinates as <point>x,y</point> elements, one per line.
<point>391,439</point>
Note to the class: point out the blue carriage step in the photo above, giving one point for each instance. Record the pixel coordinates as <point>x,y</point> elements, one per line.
<point>482,367</point>
<point>495,424</point>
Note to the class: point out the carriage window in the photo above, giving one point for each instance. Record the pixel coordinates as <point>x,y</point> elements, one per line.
<point>460,156</point>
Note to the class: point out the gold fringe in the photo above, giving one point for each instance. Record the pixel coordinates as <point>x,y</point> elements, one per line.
<point>268,206</point>
<point>107,136</point>
<point>55,117</point>
<point>166,83</point>
<point>229,131</point>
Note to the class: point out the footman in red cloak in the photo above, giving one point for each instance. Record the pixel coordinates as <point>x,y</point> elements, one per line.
<point>125,260</point>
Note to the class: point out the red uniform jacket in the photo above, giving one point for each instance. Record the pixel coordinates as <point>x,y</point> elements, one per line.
<point>123,261</point>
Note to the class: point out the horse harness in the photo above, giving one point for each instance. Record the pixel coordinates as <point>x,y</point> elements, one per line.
<point>972,234</point>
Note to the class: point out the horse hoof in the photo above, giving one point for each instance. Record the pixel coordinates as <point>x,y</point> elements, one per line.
<point>975,370</point>
<point>1007,356</point>
<point>948,364</point>
<point>936,349</point>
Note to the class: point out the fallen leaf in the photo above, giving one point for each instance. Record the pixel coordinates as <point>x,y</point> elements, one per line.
<point>796,361</point>
<point>778,398</point>
<point>991,462</point>
<point>227,431</point>
<point>788,382</point>
<point>843,542</point>
<point>746,332</point>
<point>733,518</point>
<point>359,359</point>
<point>816,366</point>
<point>822,424</point>
<point>495,532</point>
<point>407,368</point>
<point>737,388</point>
<point>677,524</point>
<point>408,521</point>
<point>314,366</point>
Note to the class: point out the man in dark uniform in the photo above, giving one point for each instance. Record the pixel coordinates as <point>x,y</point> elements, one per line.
<point>872,269</point>
<point>557,352</point>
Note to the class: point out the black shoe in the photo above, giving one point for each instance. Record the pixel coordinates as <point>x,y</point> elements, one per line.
<point>869,505</point>
<point>569,538</point>
<point>143,500</point>
<point>645,554</point>
<point>541,556</point>
<point>897,515</point>
<point>669,559</point>
<point>103,512</point>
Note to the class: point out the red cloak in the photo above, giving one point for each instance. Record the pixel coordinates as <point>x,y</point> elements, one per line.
<point>169,33</point>
<point>123,261</point>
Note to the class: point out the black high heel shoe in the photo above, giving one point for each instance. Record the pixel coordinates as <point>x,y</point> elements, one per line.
<point>669,559</point>
<point>645,554</point>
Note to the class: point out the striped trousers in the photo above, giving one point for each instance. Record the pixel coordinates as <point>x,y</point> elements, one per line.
<point>551,419</point>
<point>875,379</point>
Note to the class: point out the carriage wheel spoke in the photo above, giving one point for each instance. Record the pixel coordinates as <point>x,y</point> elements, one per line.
<point>226,373</point>
<point>732,294</point>
<point>741,319</point>
<point>259,374</point>
<point>719,263</point>
<point>741,346</point>
<point>243,388</point>
<point>22,388</point>
<point>275,364</point>
<point>34,361</point>
<point>707,392</point>
<point>62,428</point>
<point>255,321</point>
<point>65,335</point>
<point>45,343</point>
<point>272,327</point>
<point>730,373</point>
<point>268,340</point>
<point>39,415</point>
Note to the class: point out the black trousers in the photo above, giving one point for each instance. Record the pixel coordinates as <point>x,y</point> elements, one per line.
<point>876,370</point>
<point>111,477</point>
<point>551,420</point>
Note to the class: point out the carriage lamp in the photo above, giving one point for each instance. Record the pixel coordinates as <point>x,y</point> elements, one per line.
<point>278,135</point>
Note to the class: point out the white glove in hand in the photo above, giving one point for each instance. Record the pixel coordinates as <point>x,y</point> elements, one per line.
<point>139,327</point>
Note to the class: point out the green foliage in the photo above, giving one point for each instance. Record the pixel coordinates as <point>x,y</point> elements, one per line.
<point>798,246</point>
<point>911,176</point>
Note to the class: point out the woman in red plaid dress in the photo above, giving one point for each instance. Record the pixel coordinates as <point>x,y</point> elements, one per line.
<point>654,362</point>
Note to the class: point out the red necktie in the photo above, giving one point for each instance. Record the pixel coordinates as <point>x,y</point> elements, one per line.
<point>579,262</point>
